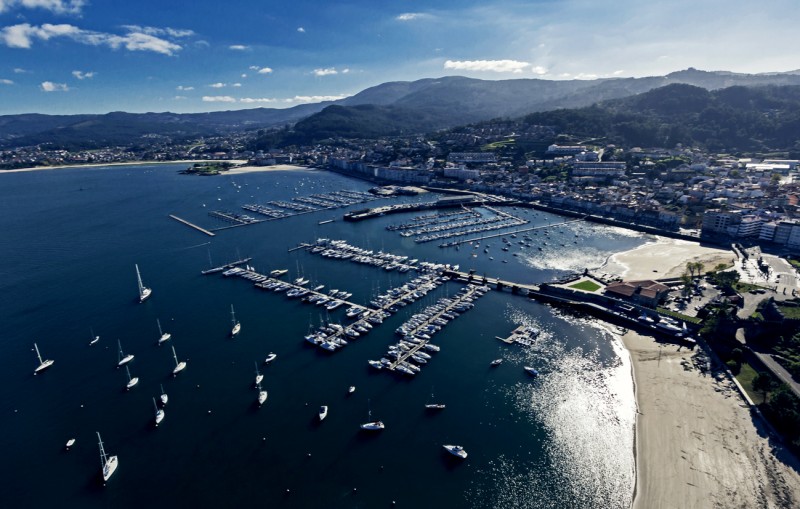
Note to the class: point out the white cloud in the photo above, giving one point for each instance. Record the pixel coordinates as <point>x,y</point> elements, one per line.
<point>325,72</point>
<point>244,75</point>
<point>301,30</point>
<point>49,86</point>
<point>181,87</point>
<point>54,6</point>
<point>83,75</point>
<point>20,70</point>
<point>314,98</point>
<point>251,100</point>
<point>238,47</point>
<point>265,70</point>
<point>218,99</point>
<point>236,85</point>
<point>538,69</point>
<point>514,66</point>
<point>617,73</point>
<point>24,34</point>
<point>411,16</point>
<point>166,31</point>
<point>345,71</point>
<point>5,81</point>
<point>180,97</point>
<point>217,85</point>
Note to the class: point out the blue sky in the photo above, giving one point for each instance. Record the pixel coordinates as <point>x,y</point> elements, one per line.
<point>93,56</point>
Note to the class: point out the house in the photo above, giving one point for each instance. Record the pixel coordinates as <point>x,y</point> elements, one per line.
<point>646,292</point>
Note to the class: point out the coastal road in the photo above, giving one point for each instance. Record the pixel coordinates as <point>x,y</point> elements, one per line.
<point>779,371</point>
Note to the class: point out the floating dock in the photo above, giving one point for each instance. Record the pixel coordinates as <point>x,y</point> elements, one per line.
<point>187,223</point>
<point>522,335</point>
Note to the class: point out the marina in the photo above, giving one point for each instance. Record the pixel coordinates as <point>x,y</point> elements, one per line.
<point>523,335</point>
<point>214,407</point>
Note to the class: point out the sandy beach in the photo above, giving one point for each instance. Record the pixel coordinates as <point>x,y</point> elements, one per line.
<point>256,169</point>
<point>698,445</point>
<point>663,258</point>
<point>98,165</point>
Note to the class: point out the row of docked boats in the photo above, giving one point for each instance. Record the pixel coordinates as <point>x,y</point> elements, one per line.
<point>341,250</point>
<point>433,220</point>
<point>469,227</point>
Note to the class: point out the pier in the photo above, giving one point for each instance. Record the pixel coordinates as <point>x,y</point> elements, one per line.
<point>187,223</point>
<point>495,235</point>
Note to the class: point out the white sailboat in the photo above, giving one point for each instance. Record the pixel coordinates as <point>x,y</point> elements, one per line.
<point>109,463</point>
<point>179,366</point>
<point>92,338</point>
<point>262,394</point>
<point>43,364</point>
<point>132,381</point>
<point>159,413</point>
<point>164,397</point>
<point>371,425</point>
<point>434,406</point>
<point>123,359</point>
<point>259,376</point>
<point>236,325</point>
<point>144,292</point>
<point>163,336</point>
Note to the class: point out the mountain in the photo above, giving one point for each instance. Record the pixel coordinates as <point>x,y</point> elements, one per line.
<point>400,107</point>
<point>736,119</point>
<point>433,104</point>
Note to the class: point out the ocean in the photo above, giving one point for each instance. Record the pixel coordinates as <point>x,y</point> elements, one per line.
<point>70,239</point>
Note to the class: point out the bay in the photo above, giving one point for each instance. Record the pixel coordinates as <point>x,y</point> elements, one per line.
<point>70,239</point>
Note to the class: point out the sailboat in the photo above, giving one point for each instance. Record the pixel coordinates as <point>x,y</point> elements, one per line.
<point>163,336</point>
<point>159,413</point>
<point>259,376</point>
<point>123,359</point>
<point>434,406</point>
<point>43,364</point>
<point>371,425</point>
<point>236,325</point>
<point>179,366</point>
<point>164,397</point>
<point>109,463</point>
<point>92,338</point>
<point>262,394</point>
<point>144,292</point>
<point>132,381</point>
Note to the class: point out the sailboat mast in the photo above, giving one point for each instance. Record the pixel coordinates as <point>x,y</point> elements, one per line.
<point>102,451</point>
<point>174,355</point>
<point>38,354</point>
<point>139,279</point>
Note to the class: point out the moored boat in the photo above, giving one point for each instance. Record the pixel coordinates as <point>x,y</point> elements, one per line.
<point>456,450</point>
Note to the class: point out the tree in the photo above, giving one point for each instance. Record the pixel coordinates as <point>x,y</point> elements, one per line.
<point>763,382</point>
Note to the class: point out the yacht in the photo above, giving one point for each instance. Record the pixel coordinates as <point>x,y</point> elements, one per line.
<point>163,336</point>
<point>259,376</point>
<point>123,359</point>
<point>92,338</point>
<point>70,443</point>
<point>179,366</point>
<point>323,412</point>
<point>164,397</point>
<point>236,325</point>
<point>351,389</point>
<point>109,463</point>
<point>456,450</point>
<point>376,364</point>
<point>531,371</point>
<point>371,425</point>
<point>144,292</point>
<point>159,413</point>
<point>43,364</point>
<point>278,272</point>
<point>132,381</point>
<point>262,395</point>
<point>271,357</point>
<point>496,362</point>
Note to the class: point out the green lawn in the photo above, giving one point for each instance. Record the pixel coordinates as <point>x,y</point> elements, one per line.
<point>586,285</point>
<point>791,312</point>
<point>745,377</point>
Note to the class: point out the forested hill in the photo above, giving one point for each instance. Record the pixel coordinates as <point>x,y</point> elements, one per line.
<point>735,119</point>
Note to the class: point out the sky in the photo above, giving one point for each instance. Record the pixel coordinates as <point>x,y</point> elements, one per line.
<point>96,56</point>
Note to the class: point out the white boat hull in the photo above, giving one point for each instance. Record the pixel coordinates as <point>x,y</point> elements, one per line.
<point>110,467</point>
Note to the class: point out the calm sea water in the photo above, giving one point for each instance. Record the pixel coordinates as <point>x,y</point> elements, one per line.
<point>69,242</point>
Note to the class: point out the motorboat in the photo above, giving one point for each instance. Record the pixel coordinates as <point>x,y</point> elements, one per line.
<point>456,450</point>
<point>531,371</point>
<point>375,364</point>
<point>351,389</point>
<point>323,412</point>
<point>496,362</point>
<point>271,357</point>
<point>70,443</point>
